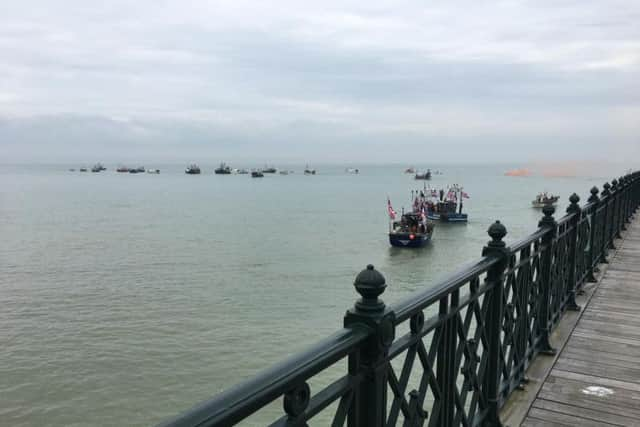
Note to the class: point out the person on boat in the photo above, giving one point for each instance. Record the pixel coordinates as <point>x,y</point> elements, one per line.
<point>441,194</point>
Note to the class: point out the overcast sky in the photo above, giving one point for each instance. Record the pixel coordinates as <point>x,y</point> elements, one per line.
<point>342,81</point>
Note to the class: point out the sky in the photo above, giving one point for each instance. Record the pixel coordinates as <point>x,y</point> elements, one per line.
<point>331,81</point>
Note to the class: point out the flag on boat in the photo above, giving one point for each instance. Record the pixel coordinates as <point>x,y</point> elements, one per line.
<point>392,213</point>
<point>464,195</point>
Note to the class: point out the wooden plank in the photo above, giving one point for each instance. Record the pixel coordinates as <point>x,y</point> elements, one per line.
<point>543,418</point>
<point>569,395</point>
<point>589,414</point>
<point>620,396</point>
<point>597,347</point>
<point>595,368</point>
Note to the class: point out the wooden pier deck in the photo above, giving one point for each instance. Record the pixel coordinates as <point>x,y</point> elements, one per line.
<point>595,380</point>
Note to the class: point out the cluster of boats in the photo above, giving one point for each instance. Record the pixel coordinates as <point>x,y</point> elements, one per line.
<point>415,228</point>
<point>98,167</point>
<point>225,169</point>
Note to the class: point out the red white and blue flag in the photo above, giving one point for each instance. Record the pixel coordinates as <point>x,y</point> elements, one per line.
<point>392,213</point>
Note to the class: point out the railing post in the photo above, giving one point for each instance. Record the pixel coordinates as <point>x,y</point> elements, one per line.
<point>573,208</point>
<point>617,194</point>
<point>622,213</point>
<point>547,221</point>
<point>493,326</point>
<point>594,253</point>
<point>446,375</point>
<point>606,226</point>
<point>369,407</point>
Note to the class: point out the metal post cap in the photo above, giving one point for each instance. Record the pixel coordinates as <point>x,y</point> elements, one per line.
<point>370,283</point>
<point>594,191</point>
<point>497,231</point>
<point>548,210</point>
<point>574,198</point>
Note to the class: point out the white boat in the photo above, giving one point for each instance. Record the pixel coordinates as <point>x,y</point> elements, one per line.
<point>543,199</point>
<point>156,171</point>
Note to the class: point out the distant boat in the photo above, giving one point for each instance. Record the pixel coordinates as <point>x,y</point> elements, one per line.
<point>223,169</point>
<point>83,169</point>
<point>192,170</point>
<point>154,171</point>
<point>269,169</point>
<point>122,169</point>
<point>426,175</point>
<point>410,170</point>
<point>352,170</point>
<point>543,199</point>
<point>72,170</point>
<point>284,172</point>
<point>308,171</point>
<point>257,174</point>
<point>242,172</point>
<point>98,168</point>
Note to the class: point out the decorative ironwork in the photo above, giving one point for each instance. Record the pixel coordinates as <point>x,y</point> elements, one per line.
<point>468,342</point>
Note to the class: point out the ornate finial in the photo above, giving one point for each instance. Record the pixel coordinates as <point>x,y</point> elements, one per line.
<point>548,220</point>
<point>496,245</point>
<point>594,194</point>
<point>370,284</point>
<point>606,187</point>
<point>497,231</point>
<point>573,207</point>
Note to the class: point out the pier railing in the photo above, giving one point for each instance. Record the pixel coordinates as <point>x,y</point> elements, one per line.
<point>450,355</point>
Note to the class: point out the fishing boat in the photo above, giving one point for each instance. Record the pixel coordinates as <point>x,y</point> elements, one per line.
<point>192,170</point>
<point>284,172</point>
<point>223,169</point>
<point>257,174</point>
<point>446,207</point>
<point>308,171</point>
<point>122,169</point>
<point>269,169</point>
<point>425,176</point>
<point>242,172</point>
<point>83,169</point>
<point>153,171</point>
<point>410,170</point>
<point>543,199</point>
<point>352,171</point>
<point>412,231</point>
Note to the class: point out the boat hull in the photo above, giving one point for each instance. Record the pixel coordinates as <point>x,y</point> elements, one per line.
<point>448,217</point>
<point>409,240</point>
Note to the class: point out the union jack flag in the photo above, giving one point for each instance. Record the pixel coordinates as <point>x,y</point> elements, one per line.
<point>392,213</point>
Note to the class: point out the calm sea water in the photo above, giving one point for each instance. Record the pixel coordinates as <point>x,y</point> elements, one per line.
<point>126,299</point>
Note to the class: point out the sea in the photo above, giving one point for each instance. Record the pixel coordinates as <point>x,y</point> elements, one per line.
<point>128,298</point>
